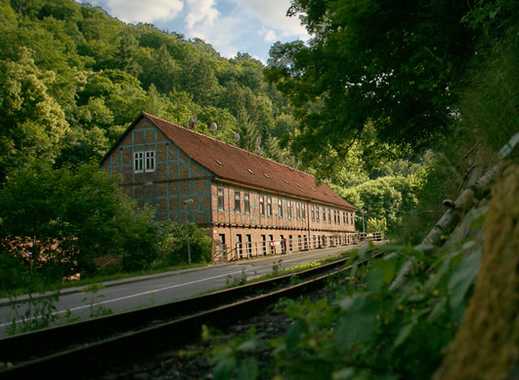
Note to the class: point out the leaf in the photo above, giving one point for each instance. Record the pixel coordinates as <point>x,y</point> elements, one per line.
<point>248,369</point>
<point>294,335</point>
<point>381,273</point>
<point>359,324</point>
<point>248,346</point>
<point>463,277</point>
<point>344,374</point>
<point>404,333</point>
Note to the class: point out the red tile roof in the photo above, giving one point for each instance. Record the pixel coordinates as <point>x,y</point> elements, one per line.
<point>237,165</point>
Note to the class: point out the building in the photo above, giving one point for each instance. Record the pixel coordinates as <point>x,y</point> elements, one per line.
<point>249,204</point>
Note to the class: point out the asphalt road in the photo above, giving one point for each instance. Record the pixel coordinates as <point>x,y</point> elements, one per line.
<point>159,290</point>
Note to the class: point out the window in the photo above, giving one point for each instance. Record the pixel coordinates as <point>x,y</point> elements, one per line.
<point>317,213</point>
<point>280,207</point>
<point>262,204</point>
<point>150,161</point>
<point>289,209</point>
<point>237,201</point>
<point>138,162</point>
<point>303,210</point>
<point>298,210</point>
<point>269,206</point>
<point>324,214</point>
<point>144,161</point>
<point>344,217</point>
<point>221,204</point>
<point>312,210</point>
<point>246,203</point>
<point>329,216</point>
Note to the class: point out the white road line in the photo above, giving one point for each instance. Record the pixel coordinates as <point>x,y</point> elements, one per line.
<point>143,293</point>
<point>126,297</point>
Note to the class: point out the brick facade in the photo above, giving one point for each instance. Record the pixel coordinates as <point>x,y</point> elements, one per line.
<point>242,218</point>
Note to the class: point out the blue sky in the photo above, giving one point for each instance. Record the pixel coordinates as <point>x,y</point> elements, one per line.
<point>231,26</point>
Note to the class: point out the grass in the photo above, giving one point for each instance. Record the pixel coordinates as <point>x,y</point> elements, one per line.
<point>295,269</point>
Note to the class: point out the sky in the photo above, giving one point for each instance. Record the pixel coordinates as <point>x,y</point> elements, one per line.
<point>230,26</point>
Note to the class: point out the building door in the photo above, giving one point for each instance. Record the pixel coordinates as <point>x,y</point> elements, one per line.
<point>239,246</point>
<point>249,245</point>
<point>290,243</point>
<point>283,244</point>
<point>271,245</point>
<point>221,244</point>
<point>264,244</point>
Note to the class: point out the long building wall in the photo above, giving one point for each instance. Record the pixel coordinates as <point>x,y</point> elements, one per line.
<point>241,231</point>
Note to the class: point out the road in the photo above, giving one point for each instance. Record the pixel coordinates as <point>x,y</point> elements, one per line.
<point>158,290</point>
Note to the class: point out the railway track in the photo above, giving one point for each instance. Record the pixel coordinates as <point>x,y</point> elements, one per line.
<point>84,349</point>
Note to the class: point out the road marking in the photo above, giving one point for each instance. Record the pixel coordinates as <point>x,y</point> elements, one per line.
<point>125,297</point>
<point>152,291</point>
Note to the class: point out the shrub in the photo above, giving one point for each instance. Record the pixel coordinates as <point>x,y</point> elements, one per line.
<point>174,243</point>
<point>63,219</point>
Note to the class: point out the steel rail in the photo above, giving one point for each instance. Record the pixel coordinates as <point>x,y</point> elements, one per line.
<point>61,352</point>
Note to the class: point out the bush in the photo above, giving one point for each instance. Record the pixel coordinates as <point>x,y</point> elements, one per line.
<point>64,219</point>
<point>13,273</point>
<point>174,243</point>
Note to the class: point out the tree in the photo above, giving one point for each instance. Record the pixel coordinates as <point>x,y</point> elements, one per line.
<point>395,64</point>
<point>70,217</point>
<point>32,124</point>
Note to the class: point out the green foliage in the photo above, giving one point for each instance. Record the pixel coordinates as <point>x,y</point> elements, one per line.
<point>37,312</point>
<point>402,66</point>
<point>174,240</point>
<point>384,199</point>
<point>367,330</point>
<point>72,78</point>
<point>59,221</point>
<point>32,123</point>
<point>233,361</point>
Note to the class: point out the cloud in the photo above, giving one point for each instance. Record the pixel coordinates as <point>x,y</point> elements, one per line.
<point>204,21</point>
<point>269,35</point>
<point>201,13</point>
<point>272,14</point>
<point>144,11</point>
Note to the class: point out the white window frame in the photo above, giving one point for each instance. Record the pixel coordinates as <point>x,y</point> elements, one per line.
<point>220,198</point>
<point>150,161</point>
<point>144,161</point>
<point>138,162</point>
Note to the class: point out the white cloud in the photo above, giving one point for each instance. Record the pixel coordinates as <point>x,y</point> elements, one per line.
<point>204,21</point>
<point>201,13</point>
<point>269,35</point>
<point>272,14</point>
<point>145,11</point>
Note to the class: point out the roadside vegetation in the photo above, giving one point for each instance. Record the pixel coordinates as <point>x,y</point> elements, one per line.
<point>58,223</point>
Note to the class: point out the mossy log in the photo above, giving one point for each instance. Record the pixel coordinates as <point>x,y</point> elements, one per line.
<point>487,343</point>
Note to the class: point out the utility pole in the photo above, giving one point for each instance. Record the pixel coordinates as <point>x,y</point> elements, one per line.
<point>363,221</point>
<point>187,202</point>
